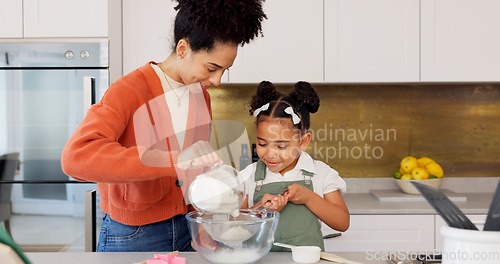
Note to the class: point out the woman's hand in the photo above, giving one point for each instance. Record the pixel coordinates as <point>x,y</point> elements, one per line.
<point>203,239</point>
<point>298,194</point>
<point>198,155</point>
<point>275,202</point>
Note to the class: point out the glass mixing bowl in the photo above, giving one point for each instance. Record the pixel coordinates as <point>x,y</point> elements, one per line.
<point>221,238</point>
<point>221,190</point>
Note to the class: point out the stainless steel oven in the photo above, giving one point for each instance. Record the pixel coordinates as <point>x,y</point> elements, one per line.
<point>44,91</point>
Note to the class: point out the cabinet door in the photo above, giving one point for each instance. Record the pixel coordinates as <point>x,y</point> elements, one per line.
<point>69,18</point>
<point>148,28</point>
<point>371,41</point>
<point>371,233</point>
<point>11,19</point>
<point>291,49</point>
<point>460,40</point>
<point>478,220</point>
<point>148,32</point>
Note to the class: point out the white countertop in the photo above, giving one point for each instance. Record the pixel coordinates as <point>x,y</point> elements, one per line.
<point>478,190</point>
<point>191,257</point>
<point>365,203</point>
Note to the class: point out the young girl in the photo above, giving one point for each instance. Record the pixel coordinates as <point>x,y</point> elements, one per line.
<point>312,190</point>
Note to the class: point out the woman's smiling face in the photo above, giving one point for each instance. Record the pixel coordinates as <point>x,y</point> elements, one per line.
<point>278,143</point>
<point>206,67</point>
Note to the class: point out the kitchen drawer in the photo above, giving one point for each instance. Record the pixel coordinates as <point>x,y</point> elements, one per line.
<point>393,233</point>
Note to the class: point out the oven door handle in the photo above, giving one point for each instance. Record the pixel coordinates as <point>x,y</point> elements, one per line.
<point>88,93</point>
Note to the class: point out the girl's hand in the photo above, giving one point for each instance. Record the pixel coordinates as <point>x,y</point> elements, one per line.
<point>298,194</point>
<point>277,202</point>
<point>198,155</point>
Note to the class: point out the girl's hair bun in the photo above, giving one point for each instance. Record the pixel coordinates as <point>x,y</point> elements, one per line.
<point>303,99</point>
<point>305,96</point>
<point>266,92</point>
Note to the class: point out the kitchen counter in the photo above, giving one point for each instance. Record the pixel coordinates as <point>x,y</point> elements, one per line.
<point>191,257</point>
<point>366,204</point>
<point>478,191</point>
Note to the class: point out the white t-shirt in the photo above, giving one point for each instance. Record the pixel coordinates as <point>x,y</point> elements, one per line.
<point>179,113</point>
<point>325,179</point>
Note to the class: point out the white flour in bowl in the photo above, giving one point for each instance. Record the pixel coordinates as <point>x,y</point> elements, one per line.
<point>236,233</point>
<point>246,255</point>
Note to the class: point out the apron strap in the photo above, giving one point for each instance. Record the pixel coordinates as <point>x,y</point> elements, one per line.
<point>260,175</point>
<point>307,177</point>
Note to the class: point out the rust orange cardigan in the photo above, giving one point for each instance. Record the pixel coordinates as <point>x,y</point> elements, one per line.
<point>103,149</point>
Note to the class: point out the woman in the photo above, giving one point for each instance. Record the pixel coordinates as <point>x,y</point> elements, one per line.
<point>153,118</point>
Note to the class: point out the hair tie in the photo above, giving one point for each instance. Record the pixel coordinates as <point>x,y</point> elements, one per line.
<point>295,117</point>
<point>260,109</point>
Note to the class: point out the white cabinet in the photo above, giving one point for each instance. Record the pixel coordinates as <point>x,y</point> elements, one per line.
<point>478,220</point>
<point>291,49</point>
<point>11,19</point>
<point>460,41</point>
<point>147,32</point>
<point>384,233</point>
<point>341,41</point>
<point>372,41</point>
<point>69,18</point>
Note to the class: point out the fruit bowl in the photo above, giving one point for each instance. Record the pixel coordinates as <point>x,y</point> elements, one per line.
<point>221,238</point>
<point>407,187</point>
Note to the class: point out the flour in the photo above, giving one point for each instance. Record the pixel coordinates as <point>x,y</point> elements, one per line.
<point>237,233</point>
<point>250,255</point>
<point>212,195</point>
<point>235,213</point>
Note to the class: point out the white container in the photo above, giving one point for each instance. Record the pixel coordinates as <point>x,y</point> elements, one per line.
<point>306,254</point>
<point>470,246</point>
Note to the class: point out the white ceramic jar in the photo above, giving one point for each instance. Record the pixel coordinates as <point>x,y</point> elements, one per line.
<point>463,246</point>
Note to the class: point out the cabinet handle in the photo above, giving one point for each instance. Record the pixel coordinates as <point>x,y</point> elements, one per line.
<point>88,93</point>
<point>332,235</point>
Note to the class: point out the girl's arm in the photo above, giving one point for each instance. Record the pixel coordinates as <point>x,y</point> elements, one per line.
<point>331,209</point>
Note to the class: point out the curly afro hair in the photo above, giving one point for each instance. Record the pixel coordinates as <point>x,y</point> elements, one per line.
<point>303,99</point>
<point>207,22</point>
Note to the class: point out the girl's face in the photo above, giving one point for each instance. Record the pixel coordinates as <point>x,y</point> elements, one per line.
<point>205,67</point>
<point>279,143</point>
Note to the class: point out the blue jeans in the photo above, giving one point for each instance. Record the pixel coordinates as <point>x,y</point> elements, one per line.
<point>165,236</point>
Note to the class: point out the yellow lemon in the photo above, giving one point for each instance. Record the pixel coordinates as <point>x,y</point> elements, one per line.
<point>408,164</point>
<point>401,170</point>
<point>419,173</point>
<point>423,161</point>
<point>434,169</point>
<point>406,177</point>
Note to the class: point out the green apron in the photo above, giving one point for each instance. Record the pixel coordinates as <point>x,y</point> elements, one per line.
<point>297,224</point>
